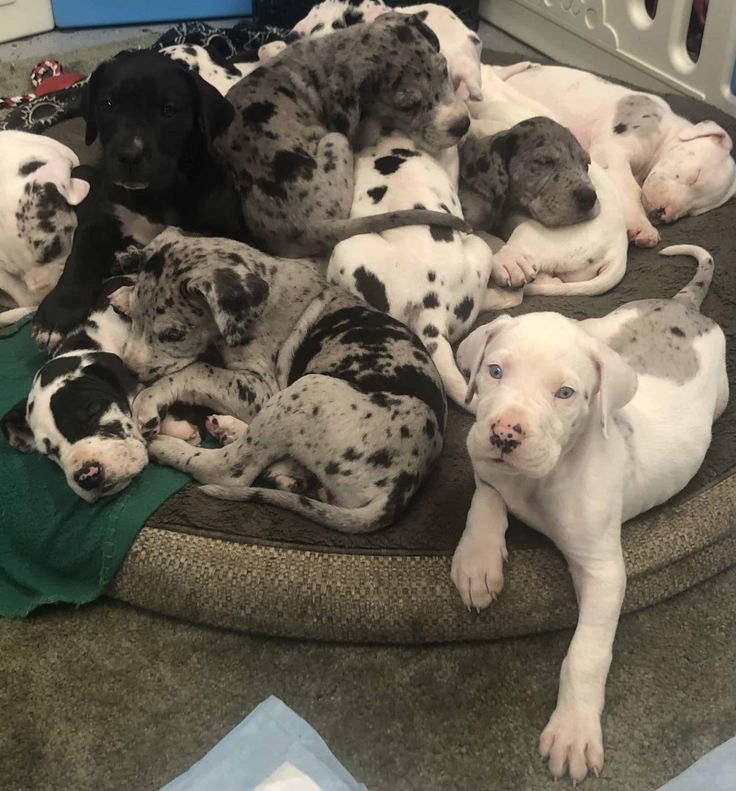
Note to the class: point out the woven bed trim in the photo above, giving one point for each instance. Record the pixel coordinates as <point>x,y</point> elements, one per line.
<point>410,599</point>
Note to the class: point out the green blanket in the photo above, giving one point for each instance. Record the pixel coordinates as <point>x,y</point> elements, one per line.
<point>54,547</point>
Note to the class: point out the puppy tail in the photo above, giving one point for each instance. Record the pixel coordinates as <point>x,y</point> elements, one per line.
<point>327,234</point>
<point>372,516</point>
<point>9,317</point>
<point>456,386</point>
<point>609,275</point>
<point>694,292</point>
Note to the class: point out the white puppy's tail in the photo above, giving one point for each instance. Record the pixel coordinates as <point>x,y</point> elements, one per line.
<point>455,383</point>
<point>609,275</point>
<point>694,292</point>
<point>372,516</point>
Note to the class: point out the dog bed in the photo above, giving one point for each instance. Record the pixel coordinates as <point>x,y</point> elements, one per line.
<point>264,570</point>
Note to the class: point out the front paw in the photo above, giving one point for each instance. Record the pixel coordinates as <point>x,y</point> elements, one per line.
<point>573,742</point>
<point>512,268</point>
<point>642,233</point>
<point>477,571</point>
<point>56,317</point>
<point>146,413</point>
<point>226,428</point>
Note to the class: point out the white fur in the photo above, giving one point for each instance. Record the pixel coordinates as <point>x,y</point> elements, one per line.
<point>22,277</point>
<point>681,168</point>
<point>582,466</point>
<point>403,259</point>
<point>211,72</point>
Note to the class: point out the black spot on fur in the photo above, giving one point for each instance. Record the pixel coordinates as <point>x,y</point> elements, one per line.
<point>376,193</point>
<point>441,234</point>
<point>258,112</point>
<point>431,300</point>
<point>381,458</point>
<point>464,308</point>
<point>291,165</point>
<point>372,289</point>
<point>430,331</point>
<point>677,332</point>
<point>388,164</point>
<point>58,367</point>
<point>352,455</point>
<point>619,129</point>
<point>29,167</point>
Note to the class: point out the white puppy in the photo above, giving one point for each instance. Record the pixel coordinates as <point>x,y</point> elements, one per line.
<point>586,258</point>
<point>664,166</point>
<point>37,221</point>
<point>432,279</point>
<point>581,426</point>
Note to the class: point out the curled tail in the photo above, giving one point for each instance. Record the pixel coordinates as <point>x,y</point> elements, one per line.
<point>365,519</point>
<point>609,275</point>
<point>327,234</point>
<point>694,292</point>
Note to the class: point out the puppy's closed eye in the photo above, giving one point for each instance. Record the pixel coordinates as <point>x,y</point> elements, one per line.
<point>171,335</point>
<point>169,110</point>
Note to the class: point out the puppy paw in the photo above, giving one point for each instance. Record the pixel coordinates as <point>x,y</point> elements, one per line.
<point>181,429</point>
<point>477,571</point>
<point>573,742</point>
<point>643,234</point>
<point>146,414</point>
<point>511,268</point>
<point>225,428</point>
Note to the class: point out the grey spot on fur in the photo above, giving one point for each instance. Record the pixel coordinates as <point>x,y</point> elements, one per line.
<point>637,114</point>
<point>649,345</point>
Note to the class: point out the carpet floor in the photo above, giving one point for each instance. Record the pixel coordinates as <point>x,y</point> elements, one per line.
<point>108,697</point>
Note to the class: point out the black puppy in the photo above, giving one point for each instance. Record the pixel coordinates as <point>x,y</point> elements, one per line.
<point>156,121</point>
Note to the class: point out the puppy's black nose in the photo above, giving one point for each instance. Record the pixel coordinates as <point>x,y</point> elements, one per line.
<point>656,215</point>
<point>585,197</point>
<point>459,128</point>
<point>90,476</point>
<point>131,155</point>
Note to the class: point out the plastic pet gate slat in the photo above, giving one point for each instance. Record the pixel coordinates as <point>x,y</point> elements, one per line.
<point>619,38</point>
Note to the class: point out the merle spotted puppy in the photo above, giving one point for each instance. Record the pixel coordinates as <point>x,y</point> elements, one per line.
<point>537,167</point>
<point>346,392</point>
<point>290,145</point>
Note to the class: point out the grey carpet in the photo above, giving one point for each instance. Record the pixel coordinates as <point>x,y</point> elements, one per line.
<point>109,697</point>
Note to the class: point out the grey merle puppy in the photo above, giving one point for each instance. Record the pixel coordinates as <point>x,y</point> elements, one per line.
<point>290,145</point>
<point>347,393</point>
<point>537,166</point>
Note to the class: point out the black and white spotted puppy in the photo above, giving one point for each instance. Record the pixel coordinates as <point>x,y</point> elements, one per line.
<point>211,67</point>
<point>290,145</point>
<point>432,279</point>
<point>321,379</point>
<point>37,219</point>
<point>79,409</point>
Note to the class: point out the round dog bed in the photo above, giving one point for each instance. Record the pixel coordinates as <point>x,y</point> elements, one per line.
<point>265,570</point>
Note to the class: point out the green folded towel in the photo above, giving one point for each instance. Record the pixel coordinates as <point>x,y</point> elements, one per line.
<point>55,547</point>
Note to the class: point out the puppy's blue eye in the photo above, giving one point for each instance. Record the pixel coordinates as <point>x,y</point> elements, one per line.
<point>565,392</point>
<point>495,371</point>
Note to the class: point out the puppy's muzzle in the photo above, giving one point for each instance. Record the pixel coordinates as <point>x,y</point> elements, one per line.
<point>460,127</point>
<point>90,476</point>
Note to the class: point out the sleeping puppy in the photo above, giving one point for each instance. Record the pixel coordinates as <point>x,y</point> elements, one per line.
<point>78,412</point>
<point>291,142</point>
<point>156,121</point>
<point>37,221</point>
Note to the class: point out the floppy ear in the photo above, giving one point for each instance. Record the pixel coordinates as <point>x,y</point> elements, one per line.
<point>213,112</point>
<point>236,296</point>
<point>15,428</point>
<point>472,350</point>
<point>617,381</point>
<point>708,129</point>
<point>415,20</point>
<point>120,299</point>
<point>90,96</point>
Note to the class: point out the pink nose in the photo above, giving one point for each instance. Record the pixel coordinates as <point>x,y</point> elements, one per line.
<point>506,436</point>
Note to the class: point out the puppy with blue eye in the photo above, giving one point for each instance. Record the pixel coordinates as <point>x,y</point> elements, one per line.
<point>581,426</point>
